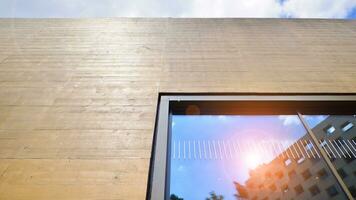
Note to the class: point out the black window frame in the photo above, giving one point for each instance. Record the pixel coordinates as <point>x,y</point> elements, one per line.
<point>221,104</point>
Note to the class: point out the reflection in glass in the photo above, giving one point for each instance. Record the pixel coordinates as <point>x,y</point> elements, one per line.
<point>339,144</point>
<point>246,157</point>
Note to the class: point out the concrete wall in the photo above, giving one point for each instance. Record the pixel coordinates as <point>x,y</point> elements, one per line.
<point>78,97</point>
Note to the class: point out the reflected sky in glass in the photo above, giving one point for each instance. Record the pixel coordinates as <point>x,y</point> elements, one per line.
<point>314,120</point>
<point>193,176</point>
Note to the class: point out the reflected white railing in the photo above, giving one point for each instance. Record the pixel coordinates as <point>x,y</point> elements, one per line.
<point>230,149</point>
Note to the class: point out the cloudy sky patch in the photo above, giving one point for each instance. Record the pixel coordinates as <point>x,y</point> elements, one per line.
<point>178,8</point>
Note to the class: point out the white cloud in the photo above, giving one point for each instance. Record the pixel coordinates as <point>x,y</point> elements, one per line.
<point>289,120</point>
<point>177,8</point>
<point>318,8</point>
<point>233,8</point>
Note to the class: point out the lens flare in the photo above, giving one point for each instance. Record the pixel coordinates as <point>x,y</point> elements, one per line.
<point>252,160</point>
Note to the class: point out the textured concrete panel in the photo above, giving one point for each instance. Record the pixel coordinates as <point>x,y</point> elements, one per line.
<point>78,97</point>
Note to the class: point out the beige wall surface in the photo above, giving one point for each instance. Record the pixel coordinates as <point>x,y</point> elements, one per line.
<point>78,97</point>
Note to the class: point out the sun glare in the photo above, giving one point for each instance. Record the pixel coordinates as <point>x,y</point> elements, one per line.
<point>252,160</point>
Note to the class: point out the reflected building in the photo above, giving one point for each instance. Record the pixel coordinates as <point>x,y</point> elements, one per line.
<point>299,172</point>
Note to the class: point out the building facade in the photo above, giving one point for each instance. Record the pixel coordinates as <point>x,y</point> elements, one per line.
<point>78,97</point>
<point>300,173</point>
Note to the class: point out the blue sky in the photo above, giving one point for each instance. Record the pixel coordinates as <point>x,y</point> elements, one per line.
<point>193,177</point>
<point>179,8</point>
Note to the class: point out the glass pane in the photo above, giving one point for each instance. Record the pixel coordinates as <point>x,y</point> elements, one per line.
<point>246,157</point>
<point>337,136</point>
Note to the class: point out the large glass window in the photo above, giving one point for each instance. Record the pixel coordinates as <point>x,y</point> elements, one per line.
<point>277,148</point>
<point>242,156</point>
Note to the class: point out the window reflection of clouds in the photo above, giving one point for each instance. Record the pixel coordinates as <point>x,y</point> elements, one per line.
<point>289,120</point>
<point>204,175</point>
<point>313,120</point>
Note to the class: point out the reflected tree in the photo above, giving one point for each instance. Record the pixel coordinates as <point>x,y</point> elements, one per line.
<point>214,196</point>
<point>175,197</point>
<point>242,192</point>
